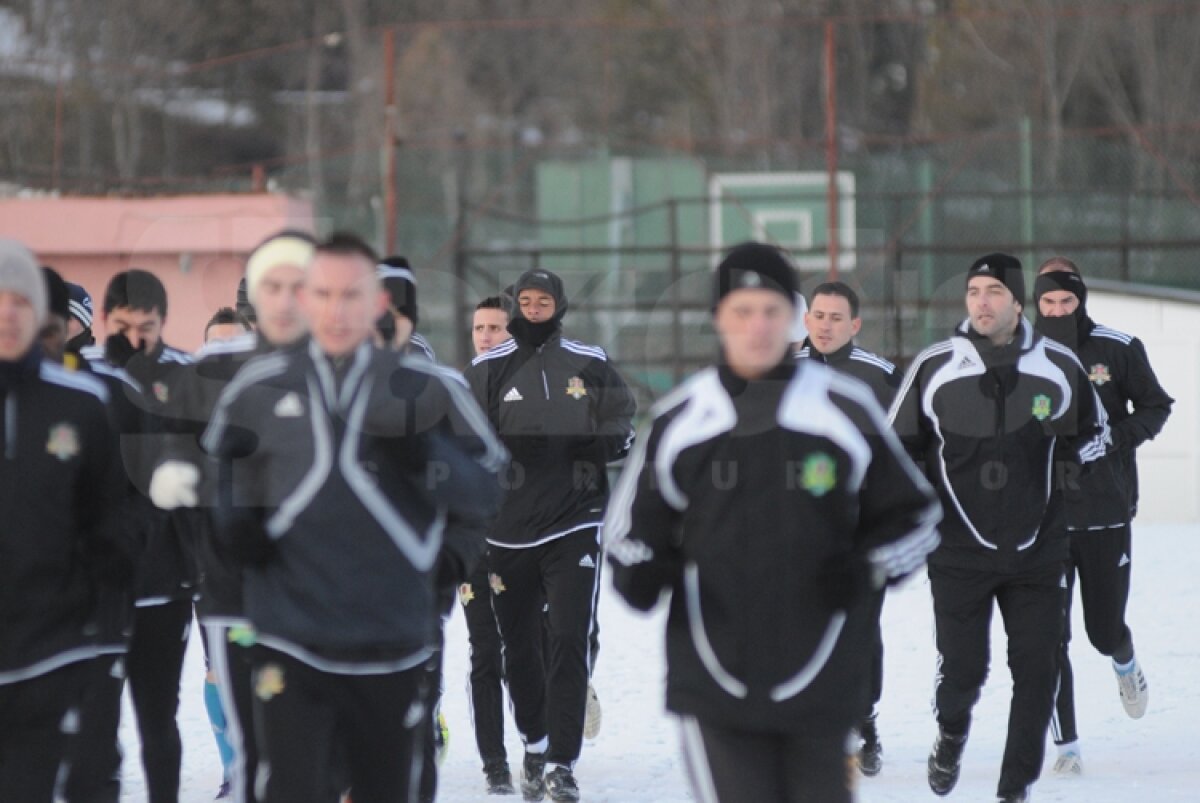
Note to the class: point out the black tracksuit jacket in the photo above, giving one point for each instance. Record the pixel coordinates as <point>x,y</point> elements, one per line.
<point>1119,370</point>
<point>352,486</point>
<point>986,421</point>
<point>166,569</point>
<point>879,374</point>
<point>738,499</point>
<point>61,503</point>
<point>127,415</point>
<point>563,412</point>
<point>219,577</point>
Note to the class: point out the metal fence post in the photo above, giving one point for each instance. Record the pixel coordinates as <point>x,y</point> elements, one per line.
<point>676,300</point>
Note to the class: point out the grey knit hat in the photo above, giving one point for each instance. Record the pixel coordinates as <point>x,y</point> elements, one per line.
<point>19,274</point>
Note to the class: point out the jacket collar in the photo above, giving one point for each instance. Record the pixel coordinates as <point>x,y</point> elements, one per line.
<point>340,381</point>
<point>833,358</point>
<point>735,385</point>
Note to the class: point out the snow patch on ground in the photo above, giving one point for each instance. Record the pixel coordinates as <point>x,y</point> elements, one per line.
<point>636,756</point>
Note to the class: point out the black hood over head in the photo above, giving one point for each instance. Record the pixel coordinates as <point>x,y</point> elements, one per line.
<point>526,331</point>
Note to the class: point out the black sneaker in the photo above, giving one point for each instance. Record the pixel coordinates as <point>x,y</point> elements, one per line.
<point>945,761</point>
<point>224,792</point>
<point>561,784</point>
<point>870,755</point>
<point>499,779</point>
<point>1014,797</point>
<point>533,785</point>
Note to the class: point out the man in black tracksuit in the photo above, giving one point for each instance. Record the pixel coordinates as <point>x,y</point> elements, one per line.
<point>133,314</point>
<point>986,410</point>
<point>397,327</point>
<point>564,412</point>
<point>489,328</point>
<point>355,484</point>
<point>832,322</point>
<point>770,497</point>
<point>1101,503</point>
<point>93,756</point>
<point>396,330</point>
<point>61,546</point>
<point>275,270</point>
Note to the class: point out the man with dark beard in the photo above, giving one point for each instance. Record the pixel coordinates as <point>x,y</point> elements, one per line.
<point>988,410</point>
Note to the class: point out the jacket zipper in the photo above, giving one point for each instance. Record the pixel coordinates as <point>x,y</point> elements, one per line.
<point>542,365</point>
<point>1000,412</point>
<point>1001,419</point>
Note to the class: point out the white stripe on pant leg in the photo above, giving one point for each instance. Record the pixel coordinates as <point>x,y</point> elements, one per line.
<point>417,739</point>
<point>696,758</point>
<point>471,700</point>
<point>1055,722</point>
<point>218,655</point>
<point>587,653</point>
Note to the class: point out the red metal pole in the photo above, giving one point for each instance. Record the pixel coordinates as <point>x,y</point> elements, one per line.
<point>831,146</point>
<point>258,178</point>
<point>58,131</point>
<point>389,140</point>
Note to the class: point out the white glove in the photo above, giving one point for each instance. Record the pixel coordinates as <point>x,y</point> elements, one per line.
<point>174,485</point>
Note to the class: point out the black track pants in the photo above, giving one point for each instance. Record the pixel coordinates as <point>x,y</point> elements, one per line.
<point>1032,606</point>
<point>549,699</point>
<point>1103,560</point>
<point>732,766</point>
<point>153,665</point>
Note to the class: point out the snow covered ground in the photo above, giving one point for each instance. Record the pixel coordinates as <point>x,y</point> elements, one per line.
<point>636,757</point>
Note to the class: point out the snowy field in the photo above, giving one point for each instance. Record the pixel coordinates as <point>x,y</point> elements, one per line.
<point>636,757</point>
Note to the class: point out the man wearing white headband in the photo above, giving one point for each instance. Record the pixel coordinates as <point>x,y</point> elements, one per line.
<point>275,271</point>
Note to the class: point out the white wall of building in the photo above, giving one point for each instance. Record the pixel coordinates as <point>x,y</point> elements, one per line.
<point>1169,466</point>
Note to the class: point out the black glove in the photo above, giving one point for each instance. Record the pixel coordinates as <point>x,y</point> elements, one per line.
<point>846,579</point>
<point>119,351</point>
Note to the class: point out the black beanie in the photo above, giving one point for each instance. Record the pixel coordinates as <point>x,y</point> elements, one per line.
<point>1004,268</point>
<point>401,286</point>
<point>58,295</point>
<point>1060,280</point>
<point>755,266</point>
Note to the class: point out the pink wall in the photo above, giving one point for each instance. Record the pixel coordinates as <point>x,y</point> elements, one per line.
<point>195,244</point>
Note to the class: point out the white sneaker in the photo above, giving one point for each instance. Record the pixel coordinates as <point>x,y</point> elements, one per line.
<point>593,716</point>
<point>1069,765</point>
<point>1135,692</point>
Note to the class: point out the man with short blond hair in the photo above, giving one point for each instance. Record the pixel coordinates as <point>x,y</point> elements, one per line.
<point>359,482</point>
<point>275,272</point>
